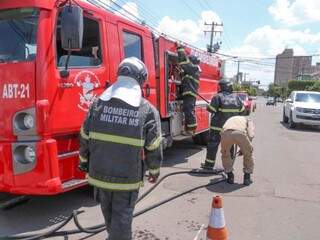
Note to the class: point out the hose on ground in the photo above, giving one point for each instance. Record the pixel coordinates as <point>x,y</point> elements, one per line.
<point>101,227</point>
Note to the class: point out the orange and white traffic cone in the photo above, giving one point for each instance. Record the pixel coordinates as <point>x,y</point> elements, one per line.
<point>217,225</point>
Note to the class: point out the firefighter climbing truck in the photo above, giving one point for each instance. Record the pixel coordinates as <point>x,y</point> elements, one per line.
<point>46,89</point>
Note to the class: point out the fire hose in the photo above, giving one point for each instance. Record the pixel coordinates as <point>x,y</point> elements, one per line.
<point>101,227</point>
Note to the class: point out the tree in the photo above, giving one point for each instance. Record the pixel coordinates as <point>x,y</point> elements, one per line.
<point>314,87</point>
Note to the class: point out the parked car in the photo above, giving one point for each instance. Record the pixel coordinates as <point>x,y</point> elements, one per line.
<point>247,102</point>
<point>271,101</point>
<point>279,99</point>
<point>302,107</point>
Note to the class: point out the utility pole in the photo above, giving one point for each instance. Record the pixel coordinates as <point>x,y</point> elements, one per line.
<point>213,48</point>
<point>238,72</point>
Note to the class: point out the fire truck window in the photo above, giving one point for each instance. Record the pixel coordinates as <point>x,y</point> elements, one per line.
<point>132,45</point>
<point>90,54</point>
<point>18,31</point>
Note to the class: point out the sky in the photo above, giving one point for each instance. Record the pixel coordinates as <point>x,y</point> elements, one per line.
<point>253,30</point>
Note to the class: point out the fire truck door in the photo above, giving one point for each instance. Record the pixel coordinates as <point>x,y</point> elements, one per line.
<point>87,77</point>
<point>138,43</point>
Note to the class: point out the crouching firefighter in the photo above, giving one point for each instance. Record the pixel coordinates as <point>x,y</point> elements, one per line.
<point>238,130</point>
<point>223,106</point>
<point>119,140</point>
<point>190,72</point>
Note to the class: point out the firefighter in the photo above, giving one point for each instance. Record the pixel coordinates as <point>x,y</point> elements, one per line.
<point>190,73</point>
<point>237,130</point>
<point>119,140</point>
<point>223,106</point>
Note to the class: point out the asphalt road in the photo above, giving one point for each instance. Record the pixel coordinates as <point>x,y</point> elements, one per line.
<point>282,203</point>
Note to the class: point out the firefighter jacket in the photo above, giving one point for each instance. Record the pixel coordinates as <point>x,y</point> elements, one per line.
<point>190,74</point>
<point>223,106</point>
<point>119,142</point>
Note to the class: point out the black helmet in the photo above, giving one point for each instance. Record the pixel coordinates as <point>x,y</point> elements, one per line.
<point>194,59</point>
<point>226,86</point>
<point>134,68</point>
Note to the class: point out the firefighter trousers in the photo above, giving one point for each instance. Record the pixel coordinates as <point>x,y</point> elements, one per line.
<point>117,209</point>
<point>212,147</point>
<point>230,137</point>
<point>189,103</point>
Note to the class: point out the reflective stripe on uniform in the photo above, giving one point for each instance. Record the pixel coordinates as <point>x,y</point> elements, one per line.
<point>154,171</point>
<point>116,139</point>
<point>191,125</point>
<point>83,159</point>
<point>180,49</point>
<point>209,107</point>
<point>192,78</point>
<point>83,134</point>
<point>189,93</point>
<point>216,128</point>
<point>114,186</point>
<point>155,144</point>
<point>229,110</point>
<point>210,161</point>
<point>184,62</point>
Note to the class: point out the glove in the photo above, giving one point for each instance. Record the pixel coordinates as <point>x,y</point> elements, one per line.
<point>152,179</point>
<point>240,153</point>
<point>83,167</point>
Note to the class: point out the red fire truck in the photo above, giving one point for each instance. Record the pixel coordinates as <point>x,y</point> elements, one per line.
<point>45,91</point>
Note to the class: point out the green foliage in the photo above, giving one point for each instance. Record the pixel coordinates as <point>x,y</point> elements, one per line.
<point>314,87</point>
<point>276,91</point>
<point>299,85</point>
<point>245,88</point>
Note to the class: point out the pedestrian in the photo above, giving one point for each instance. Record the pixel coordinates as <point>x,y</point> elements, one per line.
<point>119,140</point>
<point>190,73</point>
<point>223,106</point>
<point>240,131</point>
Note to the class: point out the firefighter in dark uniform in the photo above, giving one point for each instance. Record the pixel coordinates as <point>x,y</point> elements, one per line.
<point>190,73</point>
<point>119,140</point>
<point>223,106</point>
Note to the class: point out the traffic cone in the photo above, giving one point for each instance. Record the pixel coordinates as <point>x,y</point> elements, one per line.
<point>217,225</point>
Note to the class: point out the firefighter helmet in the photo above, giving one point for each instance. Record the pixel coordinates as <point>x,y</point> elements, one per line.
<point>194,59</point>
<point>134,68</point>
<point>226,86</point>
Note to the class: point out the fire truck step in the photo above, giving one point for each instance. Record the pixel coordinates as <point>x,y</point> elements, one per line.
<point>74,182</point>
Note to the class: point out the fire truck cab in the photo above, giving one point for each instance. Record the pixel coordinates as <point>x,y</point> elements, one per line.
<point>43,103</point>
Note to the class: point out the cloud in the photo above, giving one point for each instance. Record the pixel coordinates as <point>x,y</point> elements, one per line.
<point>295,12</point>
<point>129,10</point>
<point>187,30</point>
<point>271,41</point>
<point>268,42</point>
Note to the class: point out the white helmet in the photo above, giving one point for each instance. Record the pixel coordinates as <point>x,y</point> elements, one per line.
<point>134,68</point>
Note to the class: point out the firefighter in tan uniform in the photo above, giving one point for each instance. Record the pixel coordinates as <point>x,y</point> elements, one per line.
<point>237,130</point>
<point>119,140</point>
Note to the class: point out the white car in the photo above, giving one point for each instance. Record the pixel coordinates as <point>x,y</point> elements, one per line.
<point>302,107</point>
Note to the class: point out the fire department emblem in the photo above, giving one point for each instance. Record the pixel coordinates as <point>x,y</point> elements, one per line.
<point>88,81</point>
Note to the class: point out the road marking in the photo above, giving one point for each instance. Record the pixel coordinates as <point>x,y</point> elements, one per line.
<point>198,233</point>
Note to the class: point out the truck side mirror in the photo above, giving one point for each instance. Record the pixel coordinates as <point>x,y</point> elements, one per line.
<point>72,28</point>
<point>71,32</point>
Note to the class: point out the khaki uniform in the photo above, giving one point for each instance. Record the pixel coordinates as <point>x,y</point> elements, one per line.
<point>237,130</point>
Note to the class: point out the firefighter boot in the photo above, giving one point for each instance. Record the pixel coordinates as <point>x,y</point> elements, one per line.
<point>207,166</point>
<point>230,178</point>
<point>247,179</point>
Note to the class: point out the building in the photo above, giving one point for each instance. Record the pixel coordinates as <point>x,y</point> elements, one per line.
<point>289,67</point>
